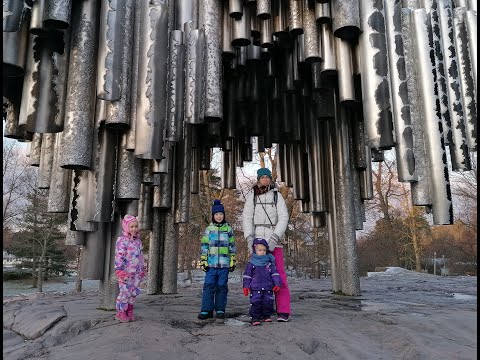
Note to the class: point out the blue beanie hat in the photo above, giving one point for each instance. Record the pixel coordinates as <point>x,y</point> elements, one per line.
<point>217,207</point>
<point>263,171</point>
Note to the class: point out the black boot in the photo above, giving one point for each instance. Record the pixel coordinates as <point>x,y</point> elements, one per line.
<point>205,315</point>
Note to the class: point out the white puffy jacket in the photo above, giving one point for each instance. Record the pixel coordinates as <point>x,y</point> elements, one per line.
<point>256,223</point>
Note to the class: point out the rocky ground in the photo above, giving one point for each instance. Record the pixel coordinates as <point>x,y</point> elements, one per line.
<point>400,315</point>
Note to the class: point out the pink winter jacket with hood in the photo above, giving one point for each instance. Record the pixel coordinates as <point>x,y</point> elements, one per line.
<point>128,250</point>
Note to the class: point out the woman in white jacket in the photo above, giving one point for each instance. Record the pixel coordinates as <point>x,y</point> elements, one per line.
<point>265,216</point>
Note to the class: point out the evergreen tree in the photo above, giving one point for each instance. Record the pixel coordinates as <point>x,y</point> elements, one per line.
<point>41,240</point>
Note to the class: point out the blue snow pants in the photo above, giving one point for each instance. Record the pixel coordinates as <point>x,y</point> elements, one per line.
<point>215,290</point>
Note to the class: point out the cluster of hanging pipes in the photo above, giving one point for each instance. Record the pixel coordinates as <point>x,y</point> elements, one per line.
<point>121,101</point>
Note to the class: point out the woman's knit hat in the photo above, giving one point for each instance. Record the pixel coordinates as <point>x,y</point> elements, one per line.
<point>127,219</point>
<point>217,207</point>
<point>263,171</point>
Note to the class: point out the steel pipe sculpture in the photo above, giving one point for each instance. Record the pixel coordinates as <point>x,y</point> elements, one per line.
<point>127,127</point>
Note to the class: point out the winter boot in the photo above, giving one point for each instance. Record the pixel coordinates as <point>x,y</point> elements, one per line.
<point>122,316</point>
<point>205,315</point>
<point>220,314</point>
<point>130,312</point>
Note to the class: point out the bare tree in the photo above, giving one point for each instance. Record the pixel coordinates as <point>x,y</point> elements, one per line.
<point>18,181</point>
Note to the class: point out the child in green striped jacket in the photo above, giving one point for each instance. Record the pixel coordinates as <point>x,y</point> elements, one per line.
<point>217,260</point>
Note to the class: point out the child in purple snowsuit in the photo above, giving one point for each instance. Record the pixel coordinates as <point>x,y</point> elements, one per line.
<point>129,268</point>
<point>261,280</point>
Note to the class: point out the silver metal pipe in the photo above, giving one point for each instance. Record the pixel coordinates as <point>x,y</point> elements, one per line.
<point>467,87</point>
<point>92,258</point>
<point>311,37</point>
<point>228,170</point>
<point>110,42</point>
<point>280,17</point>
<point>266,37</point>
<point>152,77</point>
<point>346,241</point>
<point>322,12</point>
<point>366,180</point>
<point>434,145</point>
<point>472,5</point>
<point>35,150</point>
<point>101,176</point>
<point>26,118</point>
<point>400,104</point>
<point>145,207</point>
<point>134,76</point>
<point>155,248</point>
<point>45,109</point>
<point>61,180</point>
<point>228,50</point>
<point>80,103</point>
<point>129,174</point>
<point>11,109</point>
<point>241,32</point>
<point>176,81</point>
<point>421,189</point>
<point>264,9</point>
<point>46,161</point>
<point>56,14</point>
<point>431,7</point>
<point>15,48</point>
<point>183,170</point>
<point>471,25</point>
<point>36,22</point>
<point>81,196</point>
<point>375,79</point>
<point>329,66</point>
<point>346,18</point>
<point>194,74</point>
<point>295,19</point>
<point>170,253</point>
<point>343,56</point>
<point>235,8</point>
<point>195,174</point>
<point>14,12</point>
<point>211,15</point>
<point>299,180</point>
<point>185,11</point>
<point>119,112</point>
<point>455,139</point>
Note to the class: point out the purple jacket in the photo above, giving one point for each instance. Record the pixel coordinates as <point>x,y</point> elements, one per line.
<point>261,277</point>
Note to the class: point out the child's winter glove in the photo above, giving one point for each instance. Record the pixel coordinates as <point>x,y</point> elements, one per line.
<point>276,288</point>
<point>232,263</point>
<point>204,262</point>
<point>122,275</point>
<point>246,291</point>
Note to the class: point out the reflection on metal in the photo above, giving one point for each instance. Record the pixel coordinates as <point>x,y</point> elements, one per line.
<point>182,77</point>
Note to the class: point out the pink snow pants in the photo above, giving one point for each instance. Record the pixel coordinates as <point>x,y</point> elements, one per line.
<point>282,297</point>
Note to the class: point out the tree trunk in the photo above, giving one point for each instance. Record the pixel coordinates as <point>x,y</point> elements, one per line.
<point>40,265</point>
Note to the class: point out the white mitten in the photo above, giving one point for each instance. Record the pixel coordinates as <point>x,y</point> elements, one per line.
<point>272,242</point>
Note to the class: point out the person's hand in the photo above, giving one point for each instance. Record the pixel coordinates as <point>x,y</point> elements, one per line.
<point>231,268</point>
<point>246,291</point>
<point>250,239</point>
<point>272,242</point>
<point>276,288</point>
<point>122,275</point>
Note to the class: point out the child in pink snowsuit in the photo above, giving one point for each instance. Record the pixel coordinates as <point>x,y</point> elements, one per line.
<point>129,267</point>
